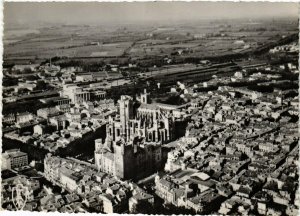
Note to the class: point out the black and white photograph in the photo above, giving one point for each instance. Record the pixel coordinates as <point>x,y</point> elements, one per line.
<point>184,108</point>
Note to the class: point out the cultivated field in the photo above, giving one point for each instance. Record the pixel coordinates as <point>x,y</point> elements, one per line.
<point>197,39</point>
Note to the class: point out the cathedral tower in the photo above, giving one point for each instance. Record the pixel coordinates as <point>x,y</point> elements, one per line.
<point>126,112</point>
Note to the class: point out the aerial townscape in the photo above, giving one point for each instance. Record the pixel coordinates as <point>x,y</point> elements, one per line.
<point>198,116</point>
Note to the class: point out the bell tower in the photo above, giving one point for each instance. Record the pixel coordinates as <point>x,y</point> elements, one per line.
<point>126,112</point>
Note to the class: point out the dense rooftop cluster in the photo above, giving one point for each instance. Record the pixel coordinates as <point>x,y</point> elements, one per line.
<point>60,127</point>
<point>245,143</point>
<point>99,191</point>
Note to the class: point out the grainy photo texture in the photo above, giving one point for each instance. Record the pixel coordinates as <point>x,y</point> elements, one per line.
<point>151,108</point>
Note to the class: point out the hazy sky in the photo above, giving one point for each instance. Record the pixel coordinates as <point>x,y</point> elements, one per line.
<point>96,12</point>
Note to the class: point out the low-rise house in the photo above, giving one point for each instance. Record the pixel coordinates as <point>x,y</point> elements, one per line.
<point>139,198</point>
